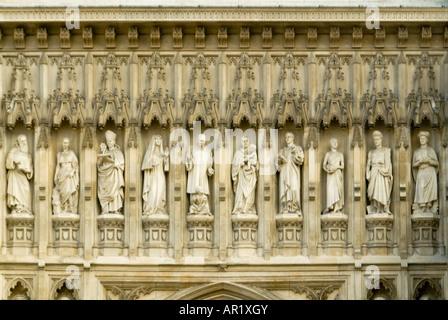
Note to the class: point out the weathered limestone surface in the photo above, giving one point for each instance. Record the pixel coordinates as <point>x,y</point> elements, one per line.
<point>291,80</point>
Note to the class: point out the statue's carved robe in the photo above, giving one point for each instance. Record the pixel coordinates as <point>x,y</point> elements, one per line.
<point>426,176</point>
<point>335,181</point>
<point>66,178</point>
<point>379,170</point>
<point>289,179</point>
<point>244,176</point>
<point>20,171</point>
<point>111,181</point>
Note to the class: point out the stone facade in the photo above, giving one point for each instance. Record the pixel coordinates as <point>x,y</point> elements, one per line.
<point>318,73</point>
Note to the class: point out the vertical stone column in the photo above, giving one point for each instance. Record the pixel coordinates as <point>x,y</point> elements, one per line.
<point>403,163</point>
<point>3,182</point>
<point>88,173</point>
<point>132,172</point>
<point>311,167</point>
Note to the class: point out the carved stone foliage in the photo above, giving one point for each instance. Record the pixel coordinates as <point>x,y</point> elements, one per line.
<point>65,38</point>
<point>19,38</point>
<point>425,102</point>
<point>21,102</point>
<point>110,37</point>
<point>87,37</point>
<point>289,37</point>
<point>222,37</point>
<point>357,37</point>
<point>62,292</point>
<point>402,37</point>
<point>155,37</point>
<point>177,38</point>
<point>379,102</point>
<point>111,103</point>
<point>319,292</point>
<point>64,103</point>
<point>245,37</point>
<point>312,37</point>
<point>42,38</point>
<point>156,103</point>
<point>334,102</point>
<point>133,37</point>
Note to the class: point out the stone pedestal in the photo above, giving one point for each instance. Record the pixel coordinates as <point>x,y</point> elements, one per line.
<point>245,234</point>
<point>200,228</point>
<point>334,231</point>
<point>155,234</point>
<point>289,230</point>
<point>111,226</point>
<point>379,233</point>
<point>424,230</point>
<point>20,233</point>
<point>66,230</point>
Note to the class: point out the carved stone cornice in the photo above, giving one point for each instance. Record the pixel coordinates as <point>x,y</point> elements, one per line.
<point>286,14</point>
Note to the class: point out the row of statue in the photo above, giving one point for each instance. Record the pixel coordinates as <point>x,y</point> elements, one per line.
<point>199,165</point>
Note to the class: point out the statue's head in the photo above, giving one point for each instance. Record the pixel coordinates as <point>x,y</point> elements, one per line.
<point>245,142</point>
<point>22,143</point>
<point>377,138</point>
<point>334,143</point>
<point>110,139</point>
<point>289,137</point>
<point>65,143</point>
<point>424,137</point>
<point>202,140</point>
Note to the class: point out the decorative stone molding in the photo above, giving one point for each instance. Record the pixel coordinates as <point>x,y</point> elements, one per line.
<point>425,227</point>
<point>428,289</point>
<point>357,37</point>
<point>200,231</point>
<point>42,38</point>
<point>110,37</point>
<point>66,229</point>
<point>87,37</point>
<point>312,38</point>
<point>222,37</point>
<point>334,233</point>
<point>19,38</point>
<point>200,37</point>
<point>402,37</point>
<point>379,233</point>
<point>155,37</point>
<point>334,37</point>
<point>111,227</point>
<point>266,37</point>
<point>155,230</point>
<point>65,38</point>
<point>244,37</point>
<point>177,38</point>
<point>244,228</point>
<point>380,36</point>
<point>289,231</point>
<point>20,236</point>
<point>426,37</point>
<point>19,289</point>
<point>290,35</point>
<point>133,37</point>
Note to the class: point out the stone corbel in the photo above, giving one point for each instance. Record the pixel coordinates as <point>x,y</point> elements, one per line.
<point>380,36</point>
<point>110,37</point>
<point>42,38</point>
<point>357,37</point>
<point>200,37</point>
<point>87,37</point>
<point>19,38</point>
<point>402,37</point>
<point>133,37</point>
<point>222,37</point>
<point>155,37</point>
<point>312,38</point>
<point>65,38</point>
<point>426,37</point>
<point>290,35</point>
<point>244,37</point>
<point>267,37</point>
<point>334,37</point>
<point>177,38</point>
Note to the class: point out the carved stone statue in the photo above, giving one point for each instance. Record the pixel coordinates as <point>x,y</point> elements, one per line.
<point>334,166</point>
<point>289,159</point>
<point>425,166</point>
<point>20,170</point>
<point>379,176</point>
<point>245,168</point>
<point>199,164</point>
<point>66,181</point>
<point>110,175</point>
<point>155,163</point>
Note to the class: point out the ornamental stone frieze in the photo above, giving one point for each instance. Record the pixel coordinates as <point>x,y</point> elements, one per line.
<point>165,152</point>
